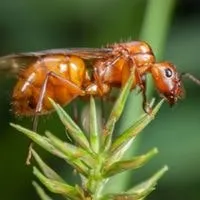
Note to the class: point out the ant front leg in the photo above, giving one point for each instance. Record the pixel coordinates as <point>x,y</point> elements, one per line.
<point>103,72</point>
<point>142,84</point>
<point>146,107</point>
<point>140,79</point>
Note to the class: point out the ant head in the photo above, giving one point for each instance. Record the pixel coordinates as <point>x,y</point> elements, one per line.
<point>167,81</point>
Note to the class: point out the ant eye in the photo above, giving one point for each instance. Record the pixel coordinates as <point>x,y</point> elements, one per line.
<point>168,72</point>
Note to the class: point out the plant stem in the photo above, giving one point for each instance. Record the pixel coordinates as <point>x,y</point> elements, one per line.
<point>97,182</point>
<point>156,24</point>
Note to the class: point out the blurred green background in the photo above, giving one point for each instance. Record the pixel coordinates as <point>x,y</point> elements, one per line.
<point>31,25</point>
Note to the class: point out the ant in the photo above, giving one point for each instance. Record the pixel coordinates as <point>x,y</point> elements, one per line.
<point>65,74</point>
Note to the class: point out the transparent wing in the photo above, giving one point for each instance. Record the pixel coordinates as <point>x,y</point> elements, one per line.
<point>12,63</point>
<point>85,53</point>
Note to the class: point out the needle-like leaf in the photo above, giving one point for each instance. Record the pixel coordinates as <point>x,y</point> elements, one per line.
<point>71,151</point>
<point>45,143</point>
<point>94,132</point>
<point>41,193</point>
<point>75,132</point>
<point>122,142</point>
<point>140,191</point>
<point>116,112</point>
<point>57,187</point>
<point>48,172</point>
<point>134,163</point>
<point>40,140</point>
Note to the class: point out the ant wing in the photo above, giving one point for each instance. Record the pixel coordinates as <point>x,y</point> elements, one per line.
<point>11,64</point>
<point>84,53</point>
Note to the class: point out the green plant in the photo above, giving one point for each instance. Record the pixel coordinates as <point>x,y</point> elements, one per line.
<point>96,156</point>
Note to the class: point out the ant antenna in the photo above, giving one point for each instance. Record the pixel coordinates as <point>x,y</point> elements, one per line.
<point>191,77</point>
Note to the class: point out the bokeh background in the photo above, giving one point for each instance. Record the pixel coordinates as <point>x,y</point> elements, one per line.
<point>31,25</point>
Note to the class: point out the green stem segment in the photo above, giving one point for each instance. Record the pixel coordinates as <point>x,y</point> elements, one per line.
<point>156,24</point>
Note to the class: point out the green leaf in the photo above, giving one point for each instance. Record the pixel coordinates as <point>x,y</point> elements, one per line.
<point>116,112</point>
<point>139,192</point>
<point>49,173</point>
<point>40,140</point>
<point>123,141</point>
<point>46,144</point>
<point>134,163</point>
<point>94,132</point>
<point>57,187</point>
<point>72,152</point>
<point>143,189</point>
<point>74,131</point>
<point>41,193</point>
<point>121,196</point>
<point>156,35</point>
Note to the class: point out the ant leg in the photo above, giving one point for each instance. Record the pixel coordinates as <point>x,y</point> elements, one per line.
<point>98,80</point>
<point>76,89</point>
<point>36,116</point>
<point>43,90</point>
<point>142,84</point>
<point>145,105</point>
<point>69,84</point>
<point>40,102</point>
<point>106,67</point>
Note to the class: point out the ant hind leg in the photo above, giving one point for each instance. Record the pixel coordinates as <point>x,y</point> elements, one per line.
<point>36,116</point>
<point>39,105</point>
